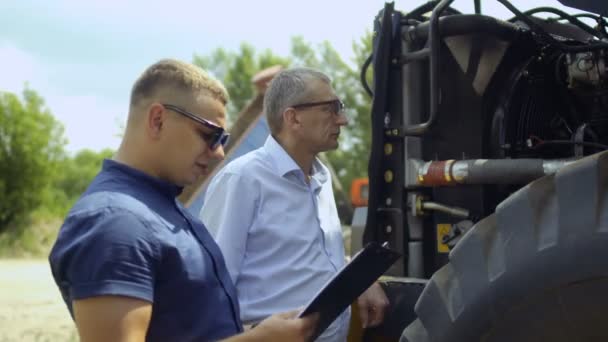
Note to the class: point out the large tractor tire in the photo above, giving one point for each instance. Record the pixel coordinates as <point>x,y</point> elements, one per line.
<point>535,270</point>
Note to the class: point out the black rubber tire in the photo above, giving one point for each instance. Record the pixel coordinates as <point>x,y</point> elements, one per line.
<point>535,270</point>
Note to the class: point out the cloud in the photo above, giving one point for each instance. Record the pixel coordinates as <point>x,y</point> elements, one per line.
<point>16,67</point>
<point>90,120</point>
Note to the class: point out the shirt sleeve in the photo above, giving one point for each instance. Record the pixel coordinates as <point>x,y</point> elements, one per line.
<point>115,254</point>
<point>228,213</point>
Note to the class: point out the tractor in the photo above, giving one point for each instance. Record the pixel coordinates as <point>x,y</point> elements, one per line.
<point>488,173</point>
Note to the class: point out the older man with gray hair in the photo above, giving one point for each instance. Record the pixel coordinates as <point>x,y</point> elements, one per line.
<point>273,213</point>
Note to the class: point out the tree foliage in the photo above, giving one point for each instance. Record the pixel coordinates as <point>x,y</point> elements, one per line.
<point>235,70</point>
<point>76,174</point>
<point>31,148</point>
<point>36,173</point>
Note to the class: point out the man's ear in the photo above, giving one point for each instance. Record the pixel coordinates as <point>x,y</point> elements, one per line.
<point>290,118</point>
<point>155,118</point>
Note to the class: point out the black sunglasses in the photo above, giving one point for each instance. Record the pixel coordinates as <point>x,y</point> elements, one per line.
<point>337,106</point>
<point>215,139</point>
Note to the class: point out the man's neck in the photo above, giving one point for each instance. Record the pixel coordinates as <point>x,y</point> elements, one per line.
<point>134,157</point>
<point>302,157</point>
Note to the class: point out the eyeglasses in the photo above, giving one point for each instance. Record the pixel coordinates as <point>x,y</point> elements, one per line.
<point>215,139</point>
<point>337,106</point>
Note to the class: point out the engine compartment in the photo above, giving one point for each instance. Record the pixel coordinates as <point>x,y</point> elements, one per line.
<point>467,109</point>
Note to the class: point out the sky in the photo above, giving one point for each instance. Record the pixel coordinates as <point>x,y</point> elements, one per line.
<point>83,56</point>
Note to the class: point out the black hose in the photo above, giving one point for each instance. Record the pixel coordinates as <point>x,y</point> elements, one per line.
<point>467,23</point>
<point>590,16</point>
<point>601,22</point>
<point>415,13</point>
<point>547,37</point>
<point>563,15</point>
<point>428,7</point>
<point>366,64</point>
<point>570,142</point>
<point>504,171</point>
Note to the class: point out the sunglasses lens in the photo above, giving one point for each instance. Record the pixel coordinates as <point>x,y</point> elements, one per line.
<point>224,139</point>
<point>219,138</point>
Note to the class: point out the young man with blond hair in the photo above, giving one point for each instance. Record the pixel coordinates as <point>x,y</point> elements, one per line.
<point>130,261</point>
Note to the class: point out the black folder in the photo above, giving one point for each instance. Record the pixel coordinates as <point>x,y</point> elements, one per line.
<point>349,283</point>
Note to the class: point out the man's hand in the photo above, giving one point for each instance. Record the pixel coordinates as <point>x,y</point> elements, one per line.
<point>280,327</point>
<point>286,327</point>
<point>372,306</point>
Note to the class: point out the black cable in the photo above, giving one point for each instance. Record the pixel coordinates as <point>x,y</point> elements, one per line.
<point>428,7</point>
<point>563,15</point>
<point>366,64</point>
<point>601,22</point>
<point>547,37</point>
<point>590,16</point>
<point>569,142</point>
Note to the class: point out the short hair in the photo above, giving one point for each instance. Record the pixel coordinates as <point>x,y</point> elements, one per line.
<point>288,88</point>
<point>176,76</point>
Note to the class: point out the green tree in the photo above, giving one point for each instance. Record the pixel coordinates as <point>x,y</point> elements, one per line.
<point>235,70</point>
<point>31,148</point>
<point>76,174</point>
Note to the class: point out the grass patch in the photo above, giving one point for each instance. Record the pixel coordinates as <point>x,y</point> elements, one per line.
<point>32,238</point>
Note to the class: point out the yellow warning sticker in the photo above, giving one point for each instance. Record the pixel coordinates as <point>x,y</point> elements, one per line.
<point>443,229</point>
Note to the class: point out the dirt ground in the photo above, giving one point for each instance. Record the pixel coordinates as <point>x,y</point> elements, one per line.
<point>31,308</point>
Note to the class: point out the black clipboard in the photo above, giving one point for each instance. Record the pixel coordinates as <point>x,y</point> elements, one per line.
<point>348,284</point>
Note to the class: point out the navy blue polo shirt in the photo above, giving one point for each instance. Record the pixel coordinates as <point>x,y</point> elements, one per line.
<point>128,235</point>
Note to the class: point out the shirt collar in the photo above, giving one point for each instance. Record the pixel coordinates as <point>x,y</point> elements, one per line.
<point>140,178</point>
<point>285,164</point>
<point>319,171</point>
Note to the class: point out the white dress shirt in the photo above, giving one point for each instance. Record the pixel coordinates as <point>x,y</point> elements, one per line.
<point>281,237</point>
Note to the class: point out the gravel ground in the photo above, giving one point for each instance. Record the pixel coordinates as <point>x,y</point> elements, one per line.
<point>31,308</point>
